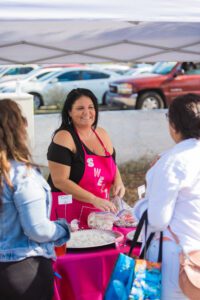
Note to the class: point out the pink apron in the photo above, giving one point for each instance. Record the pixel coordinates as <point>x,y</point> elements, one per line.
<point>98,177</point>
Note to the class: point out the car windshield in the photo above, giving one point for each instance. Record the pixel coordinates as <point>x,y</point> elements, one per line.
<point>163,68</point>
<point>31,74</point>
<point>49,75</point>
<point>2,70</point>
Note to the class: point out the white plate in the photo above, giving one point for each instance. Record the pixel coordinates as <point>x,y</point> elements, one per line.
<point>90,238</point>
<point>131,234</point>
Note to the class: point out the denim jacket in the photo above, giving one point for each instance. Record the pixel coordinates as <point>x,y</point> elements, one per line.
<point>25,229</point>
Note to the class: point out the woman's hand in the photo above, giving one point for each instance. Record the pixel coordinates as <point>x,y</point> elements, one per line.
<point>104,205</point>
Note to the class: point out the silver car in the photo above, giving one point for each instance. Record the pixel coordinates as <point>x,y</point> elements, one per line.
<point>15,71</point>
<point>14,85</point>
<point>49,88</point>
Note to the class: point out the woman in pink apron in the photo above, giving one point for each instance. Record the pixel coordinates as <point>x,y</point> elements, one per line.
<point>82,161</point>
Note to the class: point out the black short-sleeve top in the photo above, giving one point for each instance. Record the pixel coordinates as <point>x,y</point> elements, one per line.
<point>65,156</point>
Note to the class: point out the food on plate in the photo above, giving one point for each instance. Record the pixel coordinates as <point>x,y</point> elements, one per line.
<point>101,220</point>
<point>93,238</point>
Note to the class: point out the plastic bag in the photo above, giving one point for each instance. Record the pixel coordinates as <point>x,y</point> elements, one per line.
<point>74,225</point>
<point>125,219</point>
<point>124,216</point>
<point>101,220</point>
<point>120,203</point>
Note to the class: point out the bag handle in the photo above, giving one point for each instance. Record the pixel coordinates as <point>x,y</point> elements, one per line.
<point>144,220</point>
<point>147,244</point>
<point>138,231</point>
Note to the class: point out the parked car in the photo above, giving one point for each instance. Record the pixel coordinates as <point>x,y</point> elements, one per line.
<point>61,82</point>
<point>157,89</point>
<point>63,65</point>
<point>117,68</point>
<point>139,69</point>
<point>15,71</point>
<point>12,85</point>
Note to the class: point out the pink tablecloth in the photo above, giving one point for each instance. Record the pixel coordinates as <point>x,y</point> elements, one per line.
<point>85,275</point>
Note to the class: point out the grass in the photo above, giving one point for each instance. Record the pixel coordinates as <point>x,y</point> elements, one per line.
<point>133,175</point>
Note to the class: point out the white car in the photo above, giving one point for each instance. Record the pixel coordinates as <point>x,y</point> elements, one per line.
<point>139,69</point>
<point>62,82</point>
<point>15,71</point>
<point>117,68</point>
<point>12,85</point>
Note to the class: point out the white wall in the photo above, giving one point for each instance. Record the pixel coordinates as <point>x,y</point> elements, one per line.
<point>135,134</point>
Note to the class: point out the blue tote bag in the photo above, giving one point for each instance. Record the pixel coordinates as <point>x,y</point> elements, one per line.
<point>136,278</point>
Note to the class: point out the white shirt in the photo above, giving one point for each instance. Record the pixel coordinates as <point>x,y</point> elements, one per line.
<point>173,193</point>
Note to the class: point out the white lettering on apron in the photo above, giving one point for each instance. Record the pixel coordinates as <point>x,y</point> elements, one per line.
<point>100,181</point>
<point>97,172</point>
<point>106,193</point>
<point>104,190</point>
<point>90,162</point>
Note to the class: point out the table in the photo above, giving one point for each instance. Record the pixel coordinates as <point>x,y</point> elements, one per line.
<point>85,274</point>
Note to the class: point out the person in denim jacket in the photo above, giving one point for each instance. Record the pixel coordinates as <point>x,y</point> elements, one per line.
<point>27,236</point>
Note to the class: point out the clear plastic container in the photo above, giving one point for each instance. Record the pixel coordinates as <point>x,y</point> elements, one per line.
<point>101,220</point>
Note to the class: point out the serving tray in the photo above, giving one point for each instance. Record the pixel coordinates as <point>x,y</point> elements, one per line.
<point>92,238</point>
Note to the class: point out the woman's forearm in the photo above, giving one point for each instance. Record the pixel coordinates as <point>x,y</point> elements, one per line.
<point>118,186</point>
<point>118,177</point>
<point>69,187</point>
<point>77,192</point>
<point>31,206</point>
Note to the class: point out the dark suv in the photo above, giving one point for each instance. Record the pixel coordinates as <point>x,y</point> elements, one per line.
<point>156,89</point>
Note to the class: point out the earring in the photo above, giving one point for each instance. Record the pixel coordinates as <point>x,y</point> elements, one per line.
<point>69,120</point>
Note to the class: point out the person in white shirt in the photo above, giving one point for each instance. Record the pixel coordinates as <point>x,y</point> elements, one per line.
<point>173,193</point>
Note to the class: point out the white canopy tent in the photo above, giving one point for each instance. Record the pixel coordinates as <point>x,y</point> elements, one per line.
<point>88,31</point>
<point>65,31</point>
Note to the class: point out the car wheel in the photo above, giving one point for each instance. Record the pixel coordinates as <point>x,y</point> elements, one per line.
<point>150,100</point>
<point>37,100</point>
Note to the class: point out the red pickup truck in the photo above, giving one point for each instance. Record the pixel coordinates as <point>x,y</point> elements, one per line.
<point>156,89</point>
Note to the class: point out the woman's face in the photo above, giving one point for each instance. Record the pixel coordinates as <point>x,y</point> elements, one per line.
<point>83,112</point>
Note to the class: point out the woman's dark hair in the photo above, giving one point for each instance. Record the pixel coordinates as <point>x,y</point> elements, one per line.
<point>13,139</point>
<point>72,97</point>
<point>184,115</point>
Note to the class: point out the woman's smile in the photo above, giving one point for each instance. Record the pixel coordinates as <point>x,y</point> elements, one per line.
<point>83,112</point>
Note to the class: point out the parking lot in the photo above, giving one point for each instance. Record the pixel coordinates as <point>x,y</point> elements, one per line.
<point>116,86</point>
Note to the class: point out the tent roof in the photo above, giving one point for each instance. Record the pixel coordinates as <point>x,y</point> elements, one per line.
<point>99,31</point>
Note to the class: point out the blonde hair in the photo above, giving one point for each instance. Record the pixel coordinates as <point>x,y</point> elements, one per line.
<point>13,139</point>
